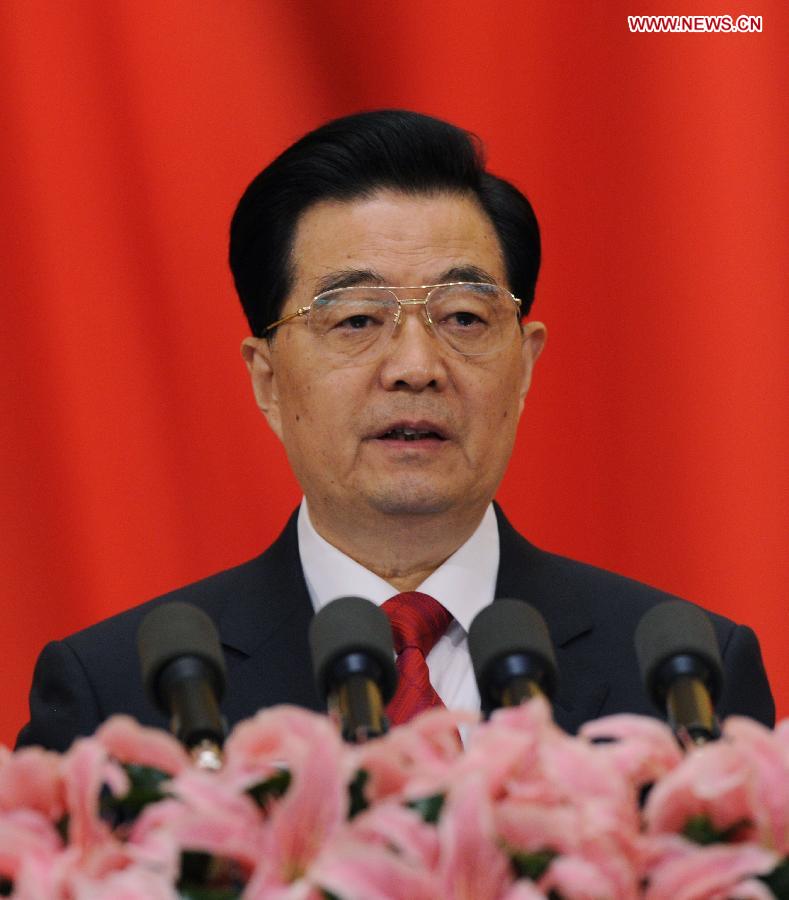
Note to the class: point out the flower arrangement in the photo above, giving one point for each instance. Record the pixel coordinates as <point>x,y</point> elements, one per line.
<point>523,811</point>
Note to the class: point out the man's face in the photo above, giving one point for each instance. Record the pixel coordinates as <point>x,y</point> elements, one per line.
<point>336,423</point>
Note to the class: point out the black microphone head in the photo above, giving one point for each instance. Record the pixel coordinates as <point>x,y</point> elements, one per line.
<point>353,626</point>
<point>676,638</point>
<point>510,628</point>
<point>173,631</point>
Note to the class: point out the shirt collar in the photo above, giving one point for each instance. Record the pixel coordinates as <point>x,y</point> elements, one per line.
<point>464,584</point>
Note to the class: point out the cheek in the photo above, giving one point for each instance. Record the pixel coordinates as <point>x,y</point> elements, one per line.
<point>313,410</point>
<point>295,393</point>
<point>497,398</point>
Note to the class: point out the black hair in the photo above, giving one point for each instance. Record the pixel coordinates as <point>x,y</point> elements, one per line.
<point>351,158</point>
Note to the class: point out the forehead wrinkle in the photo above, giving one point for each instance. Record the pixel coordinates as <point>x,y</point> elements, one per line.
<point>347,278</point>
<point>454,259</point>
<point>466,273</point>
<point>353,277</point>
<point>384,249</point>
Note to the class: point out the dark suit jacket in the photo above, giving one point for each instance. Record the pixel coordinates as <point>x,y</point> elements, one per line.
<point>262,610</point>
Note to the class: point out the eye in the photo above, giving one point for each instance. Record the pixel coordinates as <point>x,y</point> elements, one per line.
<point>356,322</point>
<point>462,309</point>
<point>464,319</point>
<point>350,315</point>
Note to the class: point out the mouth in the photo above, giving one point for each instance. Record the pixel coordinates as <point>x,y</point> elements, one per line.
<point>409,432</point>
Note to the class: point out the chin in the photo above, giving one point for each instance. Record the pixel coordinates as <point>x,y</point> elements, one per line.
<point>410,500</point>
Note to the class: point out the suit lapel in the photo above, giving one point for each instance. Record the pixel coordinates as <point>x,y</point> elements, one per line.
<point>526,573</point>
<point>264,628</point>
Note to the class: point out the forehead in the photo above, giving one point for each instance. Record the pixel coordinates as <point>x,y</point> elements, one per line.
<point>393,238</point>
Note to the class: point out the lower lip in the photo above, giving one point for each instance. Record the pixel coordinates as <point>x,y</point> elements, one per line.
<point>423,445</point>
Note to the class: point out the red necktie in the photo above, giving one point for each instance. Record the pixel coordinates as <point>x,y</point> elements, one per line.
<point>418,621</point>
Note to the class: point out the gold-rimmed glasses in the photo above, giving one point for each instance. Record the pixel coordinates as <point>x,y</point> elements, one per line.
<point>353,324</point>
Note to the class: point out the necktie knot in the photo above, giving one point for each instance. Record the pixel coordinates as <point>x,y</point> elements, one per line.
<point>418,620</point>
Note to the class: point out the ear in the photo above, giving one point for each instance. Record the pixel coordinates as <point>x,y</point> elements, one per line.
<point>534,337</point>
<point>258,357</point>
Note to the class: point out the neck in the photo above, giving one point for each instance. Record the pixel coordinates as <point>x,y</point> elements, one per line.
<point>403,550</point>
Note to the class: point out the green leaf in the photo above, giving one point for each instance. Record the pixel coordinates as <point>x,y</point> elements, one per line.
<point>531,865</point>
<point>778,880</point>
<point>700,830</point>
<point>6,887</point>
<point>428,807</point>
<point>358,801</point>
<point>207,877</point>
<point>146,782</point>
<point>62,827</point>
<point>201,893</point>
<point>194,869</point>
<point>145,787</point>
<point>270,789</point>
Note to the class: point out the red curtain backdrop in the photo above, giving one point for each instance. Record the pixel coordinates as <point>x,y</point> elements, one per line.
<point>655,440</point>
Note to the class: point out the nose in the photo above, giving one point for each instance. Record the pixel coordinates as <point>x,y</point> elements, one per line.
<point>413,359</point>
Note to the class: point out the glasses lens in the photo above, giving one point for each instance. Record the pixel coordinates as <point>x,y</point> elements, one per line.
<point>353,322</point>
<point>472,318</point>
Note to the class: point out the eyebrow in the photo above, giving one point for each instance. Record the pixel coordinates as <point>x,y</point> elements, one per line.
<point>347,278</point>
<point>353,277</point>
<point>466,273</point>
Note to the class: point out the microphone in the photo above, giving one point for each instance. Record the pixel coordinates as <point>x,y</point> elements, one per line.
<point>512,654</point>
<point>183,671</point>
<point>353,659</point>
<point>681,668</point>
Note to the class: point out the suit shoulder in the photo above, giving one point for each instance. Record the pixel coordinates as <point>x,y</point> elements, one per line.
<point>619,592</point>
<point>593,581</point>
<point>209,594</point>
<point>574,587</point>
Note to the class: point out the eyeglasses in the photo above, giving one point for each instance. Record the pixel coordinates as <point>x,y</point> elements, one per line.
<point>353,324</point>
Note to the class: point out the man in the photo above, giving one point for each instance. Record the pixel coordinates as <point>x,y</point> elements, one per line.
<point>385,276</point>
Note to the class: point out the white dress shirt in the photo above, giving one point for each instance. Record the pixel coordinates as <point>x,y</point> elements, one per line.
<point>464,584</point>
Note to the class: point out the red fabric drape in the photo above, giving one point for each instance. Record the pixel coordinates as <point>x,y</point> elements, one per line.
<point>133,459</point>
